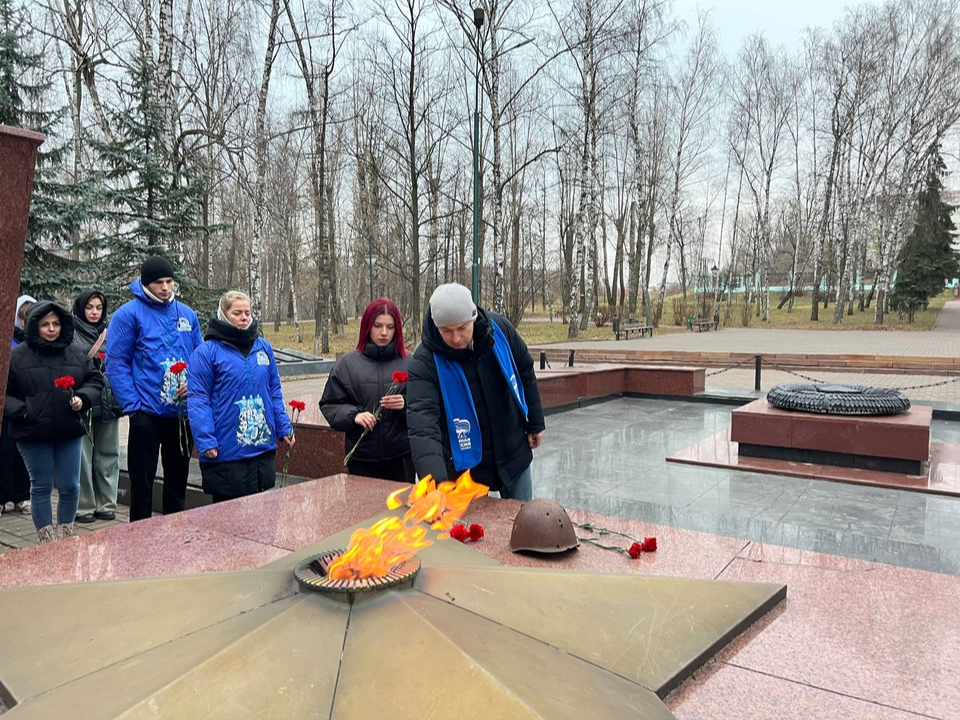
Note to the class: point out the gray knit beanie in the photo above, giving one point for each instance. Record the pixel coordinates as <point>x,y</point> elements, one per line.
<point>451,304</point>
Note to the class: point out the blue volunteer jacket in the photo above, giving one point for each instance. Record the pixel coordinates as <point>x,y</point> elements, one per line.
<point>146,338</point>
<point>236,402</point>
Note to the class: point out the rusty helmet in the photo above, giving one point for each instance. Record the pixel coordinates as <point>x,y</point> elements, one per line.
<point>543,526</point>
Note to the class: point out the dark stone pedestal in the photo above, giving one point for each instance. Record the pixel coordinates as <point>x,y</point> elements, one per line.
<point>899,443</point>
<point>18,154</point>
<point>837,459</point>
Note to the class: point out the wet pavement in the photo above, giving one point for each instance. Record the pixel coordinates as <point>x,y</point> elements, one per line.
<point>610,458</point>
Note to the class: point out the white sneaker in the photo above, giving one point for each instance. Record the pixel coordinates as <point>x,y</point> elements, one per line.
<point>23,506</point>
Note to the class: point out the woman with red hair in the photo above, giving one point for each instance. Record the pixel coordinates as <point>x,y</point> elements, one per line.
<point>357,386</point>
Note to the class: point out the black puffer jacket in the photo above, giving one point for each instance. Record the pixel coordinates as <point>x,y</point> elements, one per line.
<point>503,431</point>
<point>355,385</point>
<point>38,411</point>
<point>85,335</point>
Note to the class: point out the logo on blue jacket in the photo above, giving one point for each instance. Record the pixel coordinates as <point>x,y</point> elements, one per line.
<point>463,433</point>
<point>252,427</point>
<point>168,386</point>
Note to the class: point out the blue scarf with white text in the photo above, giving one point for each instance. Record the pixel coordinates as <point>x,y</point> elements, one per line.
<point>462,425</point>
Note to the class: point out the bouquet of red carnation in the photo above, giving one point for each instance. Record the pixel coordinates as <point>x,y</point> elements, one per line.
<point>399,378</point>
<point>66,382</point>
<point>297,407</point>
<point>635,550</point>
<point>464,534</point>
<point>177,369</point>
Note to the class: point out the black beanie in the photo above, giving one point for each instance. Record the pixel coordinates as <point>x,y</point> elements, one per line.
<point>154,268</point>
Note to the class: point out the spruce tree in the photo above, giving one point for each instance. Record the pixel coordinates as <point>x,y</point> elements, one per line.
<point>57,209</point>
<point>147,209</point>
<point>927,259</point>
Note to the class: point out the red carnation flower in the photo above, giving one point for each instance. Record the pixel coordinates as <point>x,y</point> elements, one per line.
<point>400,377</point>
<point>65,382</point>
<point>649,544</point>
<point>634,551</point>
<point>102,355</point>
<point>476,532</point>
<point>178,367</point>
<point>460,532</point>
<point>298,405</point>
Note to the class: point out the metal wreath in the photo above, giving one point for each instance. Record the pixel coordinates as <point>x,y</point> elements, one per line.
<point>839,399</point>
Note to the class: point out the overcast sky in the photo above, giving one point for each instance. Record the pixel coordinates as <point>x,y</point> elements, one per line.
<point>780,22</point>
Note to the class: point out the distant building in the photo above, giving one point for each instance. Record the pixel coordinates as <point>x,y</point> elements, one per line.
<point>953,197</point>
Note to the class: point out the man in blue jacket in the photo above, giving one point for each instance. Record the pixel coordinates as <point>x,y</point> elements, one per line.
<point>149,336</point>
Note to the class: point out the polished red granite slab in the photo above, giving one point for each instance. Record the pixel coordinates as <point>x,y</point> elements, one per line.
<point>171,545</point>
<point>853,639</point>
<point>319,452</point>
<point>565,385</point>
<point>661,380</point>
<point>854,628</point>
<point>18,152</point>
<point>719,451</point>
<point>904,436</point>
<point>720,691</point>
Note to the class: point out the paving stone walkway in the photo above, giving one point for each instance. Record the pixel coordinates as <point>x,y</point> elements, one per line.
<point>944,341</point>
<point>949,318</point>
<point>17,531</point>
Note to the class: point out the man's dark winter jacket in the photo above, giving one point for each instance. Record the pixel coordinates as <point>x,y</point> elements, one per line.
<point>355,385</point>
<point>503,431</point>
<point>38,411</point>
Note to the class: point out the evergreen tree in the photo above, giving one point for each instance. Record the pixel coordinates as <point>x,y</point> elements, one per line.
<point>147,209</point>
<point>927,258</point>
<point>57,209</point>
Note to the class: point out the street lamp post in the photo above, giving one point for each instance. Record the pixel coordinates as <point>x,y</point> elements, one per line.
<point>715,271</point>
<point>370,263</point>
<point>478,22</point>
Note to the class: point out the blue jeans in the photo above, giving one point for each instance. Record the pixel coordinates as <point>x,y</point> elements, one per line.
<point>522,486</point>
<point>50,463</point>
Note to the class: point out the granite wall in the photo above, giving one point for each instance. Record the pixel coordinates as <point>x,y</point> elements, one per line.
<point>18,153</point>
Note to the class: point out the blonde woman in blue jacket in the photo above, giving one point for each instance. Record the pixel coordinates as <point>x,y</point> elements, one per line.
<point>236,404</point>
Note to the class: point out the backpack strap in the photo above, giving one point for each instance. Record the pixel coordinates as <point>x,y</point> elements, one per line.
<point>97,345</point>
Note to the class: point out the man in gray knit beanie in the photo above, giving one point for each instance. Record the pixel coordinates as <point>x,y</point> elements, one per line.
<point>472,397</point>
<point>453,312</point>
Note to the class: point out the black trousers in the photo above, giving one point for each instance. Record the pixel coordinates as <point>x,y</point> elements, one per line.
<point>239,478</point>
<point>154,438</point>
<point>398,469</point>
<point>14,478</point>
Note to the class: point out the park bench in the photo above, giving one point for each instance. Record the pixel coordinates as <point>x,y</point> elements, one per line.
<point>700,325</point>
<point>631,326</point>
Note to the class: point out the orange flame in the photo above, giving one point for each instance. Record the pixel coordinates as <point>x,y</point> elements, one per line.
<point>374,551</point>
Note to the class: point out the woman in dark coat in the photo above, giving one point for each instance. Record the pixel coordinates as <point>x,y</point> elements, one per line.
<point>100,466</point>
<point>47,421</point>
<point>358,384</point>
<point>14,478</point>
